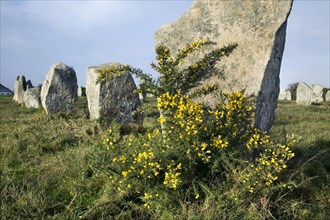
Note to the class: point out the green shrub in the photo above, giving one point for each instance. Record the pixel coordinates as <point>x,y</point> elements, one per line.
<point>196,155</point>
<point>197,151</point>
<point>173,75</point>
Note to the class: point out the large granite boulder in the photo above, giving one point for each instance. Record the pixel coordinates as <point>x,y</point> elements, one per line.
<point>317,93</point>
<point>284,95</point>
<point>259,29</point>
<point>304,94</point>
<point>307,95</point>
<point>59,90</point>
<point>288,95</point>
<point>327,96</point>
<point>32,98</point>
<point>19,89</point>
<point>113,99</point>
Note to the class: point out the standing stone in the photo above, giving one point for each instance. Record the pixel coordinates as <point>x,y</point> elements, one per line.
<point>59,90</point>
<point>317,93</point>
<point>304,94</point>
<point>281,95</point>
<point>284,95</point>
<point>259,29</point>
<point>327,96</point>
<point>32,97</point>
<point>111,100</point>
<point>19,89</point>
<point>288,95</point>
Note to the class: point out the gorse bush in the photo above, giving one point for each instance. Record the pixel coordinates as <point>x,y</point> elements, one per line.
<point>200,148</point>
<point>173,75</point>
<point>195,148</point>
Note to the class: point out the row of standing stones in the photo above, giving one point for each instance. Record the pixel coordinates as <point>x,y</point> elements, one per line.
<point>113,100</point>
<point>257,27</point>
<point>304,94</point>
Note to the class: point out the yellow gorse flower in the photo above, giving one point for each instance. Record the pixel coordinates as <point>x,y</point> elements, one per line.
<point>194,137</point>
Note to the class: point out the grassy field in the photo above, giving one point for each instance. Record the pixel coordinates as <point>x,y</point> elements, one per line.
<point>55,167</point>
<point>311,165</point>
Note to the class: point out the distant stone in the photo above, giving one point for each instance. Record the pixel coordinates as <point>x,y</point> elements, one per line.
<point>284,95</point>
<point>59,90</point>
<point>307,95</point>
<point>259,29</point>
<point>327,96</point>
<point>19,89</point>
<point>114,99</point>
<point>317,93</point>
<point>29,84</point>
<point>281,95</point>
<point>293,90</point>
<point>81,91</point>
<point>304,94</point>
<point>32,98</point>
<point>288,95</point>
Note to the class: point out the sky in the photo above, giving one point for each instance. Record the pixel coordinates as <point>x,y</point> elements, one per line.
<point>36,34</point>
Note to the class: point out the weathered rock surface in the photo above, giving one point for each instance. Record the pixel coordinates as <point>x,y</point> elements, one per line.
<point>259,29</point>
<point>284,95</point>
<point>327,96</point>
<point>59,90</point>
<point>32,98</point>
<point>288,95</point>
<point>317,93</point>
<point>19,89</point>
<point>304,94</point>
<point>111,100</point>
<point>307,95</point>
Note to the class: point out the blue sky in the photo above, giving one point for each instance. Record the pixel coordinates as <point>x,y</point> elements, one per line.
<point>37,34</point>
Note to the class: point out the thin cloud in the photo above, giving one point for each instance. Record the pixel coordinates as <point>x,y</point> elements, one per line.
<point>64,16</point>
<point>36,34</point>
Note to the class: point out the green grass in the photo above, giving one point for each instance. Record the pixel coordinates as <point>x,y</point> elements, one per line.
<point>311,165</point>
<point>44,161</point>
<point>310,122</point>
<point>54,167</point>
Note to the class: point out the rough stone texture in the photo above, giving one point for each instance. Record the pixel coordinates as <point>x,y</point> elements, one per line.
<point>288,95</point>
<point>307,95</point>
<point>317,93</point>
<point>259,29</point>
<point>59,90</point>
<point>112,100</point>
<point>327,96</point>
<point>284,95</point>
<point>32,98</point>
<point>281,95</point>
<point>19,89</point>
<point>304,94</point>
